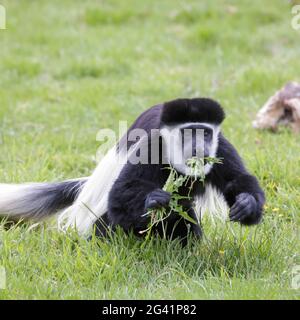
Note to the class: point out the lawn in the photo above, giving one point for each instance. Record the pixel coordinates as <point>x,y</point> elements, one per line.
<point>69,68</point>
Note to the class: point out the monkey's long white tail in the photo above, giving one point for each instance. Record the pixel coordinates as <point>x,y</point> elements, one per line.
<point>37,200</point>
<point>92,201</point>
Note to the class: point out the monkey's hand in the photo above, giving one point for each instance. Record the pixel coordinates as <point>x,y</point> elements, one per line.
<point>157,199</point>
<point>245,207</point>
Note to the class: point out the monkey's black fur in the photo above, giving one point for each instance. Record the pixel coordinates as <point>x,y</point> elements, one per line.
<point>139,186</point>
<point>188,110</point>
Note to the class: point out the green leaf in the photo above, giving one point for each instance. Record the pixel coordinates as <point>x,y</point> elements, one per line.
<point>187,217</point>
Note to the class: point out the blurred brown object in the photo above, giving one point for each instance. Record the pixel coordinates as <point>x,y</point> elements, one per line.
<point>282,108</point>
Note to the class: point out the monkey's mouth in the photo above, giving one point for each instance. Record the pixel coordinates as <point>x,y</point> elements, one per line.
<point>203,159</point>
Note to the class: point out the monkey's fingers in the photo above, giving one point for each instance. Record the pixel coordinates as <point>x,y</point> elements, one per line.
<point>243,207</point>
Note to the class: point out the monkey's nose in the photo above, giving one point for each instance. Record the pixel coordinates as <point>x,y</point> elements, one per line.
<point>206,151</point>
<point>196,152</point>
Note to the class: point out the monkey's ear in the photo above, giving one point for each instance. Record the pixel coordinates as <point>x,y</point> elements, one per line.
<point>192,110</point>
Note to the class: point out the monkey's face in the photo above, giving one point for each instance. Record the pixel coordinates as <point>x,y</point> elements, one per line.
<point>183,142</point>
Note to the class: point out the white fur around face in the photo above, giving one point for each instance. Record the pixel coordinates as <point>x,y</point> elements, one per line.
<point>172,139</point>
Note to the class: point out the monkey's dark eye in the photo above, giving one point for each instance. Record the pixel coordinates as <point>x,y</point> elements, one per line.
<point>207,133</point>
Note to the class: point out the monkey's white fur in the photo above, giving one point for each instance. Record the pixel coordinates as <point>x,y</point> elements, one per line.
<point>172,139</point>
<point>212,204</point>
<point>92,201</point>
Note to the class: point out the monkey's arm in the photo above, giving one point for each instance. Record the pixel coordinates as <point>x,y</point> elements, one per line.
<point>137,189</point>
<point>241,189</point>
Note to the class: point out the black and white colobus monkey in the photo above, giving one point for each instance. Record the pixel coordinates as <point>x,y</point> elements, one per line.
<point>119,193</point>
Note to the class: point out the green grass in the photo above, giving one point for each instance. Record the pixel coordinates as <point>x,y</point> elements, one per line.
<point>69,68</point>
